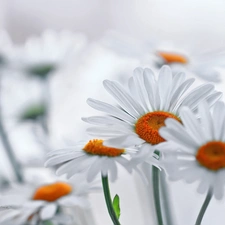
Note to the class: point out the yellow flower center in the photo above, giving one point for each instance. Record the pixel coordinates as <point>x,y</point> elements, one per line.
<point>212,155</point>
<point>173,57</point>
<point>147,126</point>
<point>96,147</point>
<point>52,192</point>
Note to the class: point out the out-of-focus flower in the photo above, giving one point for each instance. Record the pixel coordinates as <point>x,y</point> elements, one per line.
<point>143,110</point>
<point>203,65</point>
<point>152,53</point>
<point>201,148</point>
<point>90,159</point>
<point>42,55</point>
<point>29,204</point>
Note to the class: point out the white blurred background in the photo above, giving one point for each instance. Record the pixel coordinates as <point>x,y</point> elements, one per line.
<point>196,26</point>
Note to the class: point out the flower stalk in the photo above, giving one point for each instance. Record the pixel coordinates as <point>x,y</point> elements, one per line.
<point>156,194</point>
<point>9,150</point>
<point>204,207</point>
<point>108,200</point>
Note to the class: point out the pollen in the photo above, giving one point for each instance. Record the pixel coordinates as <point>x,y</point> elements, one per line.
<point>147,127</point>
<point>212,155</point>
<point>173,57</point>
<point>96,147</point>
<point>52,192</point>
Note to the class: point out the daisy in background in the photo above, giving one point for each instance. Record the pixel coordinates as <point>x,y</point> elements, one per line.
<point>204,65</point>
<point>200,155</point>
<point>30,204</point>
<point>41,55</point>
<point>143,109</point>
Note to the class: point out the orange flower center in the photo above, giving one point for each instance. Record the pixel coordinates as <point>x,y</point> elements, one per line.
<point>173,57</point>
<point>52,192</point>
<point>212,155</point>
<point>96,147</point>
<point>147,126</point>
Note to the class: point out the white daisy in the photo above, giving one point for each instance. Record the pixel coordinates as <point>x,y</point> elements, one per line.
<point>90,158</point>
<point>42,55</point>
<point>203,65</point>
<point>143,109</point>
<point>201,148</point>
<point>29,204</point>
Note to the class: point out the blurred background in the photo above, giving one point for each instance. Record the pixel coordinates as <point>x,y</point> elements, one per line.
<point>107,40</point>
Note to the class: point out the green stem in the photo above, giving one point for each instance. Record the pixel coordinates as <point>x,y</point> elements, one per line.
<point>204,206</point>
<point>108,200</point>
<point>167,209</point>
<point>9,150</point>
<point>10,153</point>
<point>156,194</point>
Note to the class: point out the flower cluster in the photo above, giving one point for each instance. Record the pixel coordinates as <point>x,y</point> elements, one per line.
<point>162,121</point>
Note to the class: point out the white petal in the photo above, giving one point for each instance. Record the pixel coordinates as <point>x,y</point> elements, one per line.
<point>103,120</point>
<point>164,85</point>
<point>71,200</point>
<point>150,87</point>
<point>219,121</point>
<point>109,131</point>
<point>48,211</point>
<point>197,95</point>
<point>179,92</point>
<point>112,170</point>
<point>178,79</point>
<point>124,141</point>
<point>95,168</point>
<point>72,165</point>
<point>123,98</point>
<point>59,159</point>
<point>213,98</point>
<point>9,214</point>
<point>140,87</point>
<point>192,125</point>
<point>206,121</point>
<point>112,110</point>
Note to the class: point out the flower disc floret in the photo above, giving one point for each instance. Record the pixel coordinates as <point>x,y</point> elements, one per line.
<point>52,192</point>
<point>212,155</point>
<point>173,57</point>
<point>96,147</point>
<point>147,126</point>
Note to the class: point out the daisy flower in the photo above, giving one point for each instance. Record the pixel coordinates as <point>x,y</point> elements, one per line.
<point>145,106</point>
<point>203,65</point>
<point>201,148</point>
<point>29,204</point>
<point>42,55</point>
<point>90,158</point>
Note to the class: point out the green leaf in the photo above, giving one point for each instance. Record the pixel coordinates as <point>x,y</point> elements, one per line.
<point>116,205</point>
<point>33,112</point>
<point>47,222</point>
<point>41,70</point>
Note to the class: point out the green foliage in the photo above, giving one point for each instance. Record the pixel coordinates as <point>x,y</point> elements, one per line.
<point>47,222</point>
<point>34,112</point>
<point>41,70</point>
<point>116,205</point>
